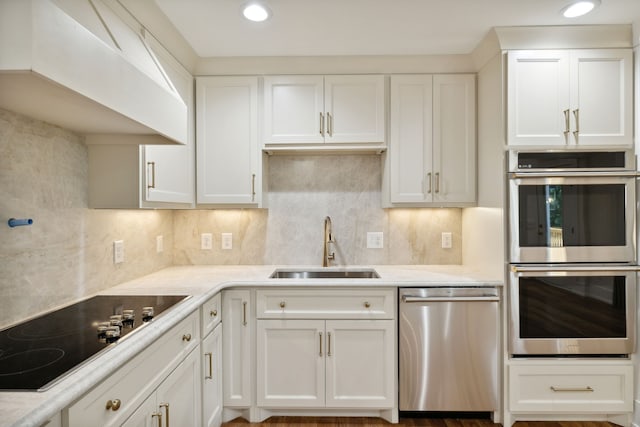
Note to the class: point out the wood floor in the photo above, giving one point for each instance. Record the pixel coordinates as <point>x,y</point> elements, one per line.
<point>426,422</point>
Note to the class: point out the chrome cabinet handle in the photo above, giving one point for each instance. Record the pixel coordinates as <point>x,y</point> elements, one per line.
<point>186,337</point>
<point>282,304</point>
<point>159,416</point>
<point>429,186</point>
<point>328,343</point>
<point>151,183</point>
<point>570,389</point>
<point>320,354</point>
<point>253,187</point>
<point>566,125</point>
<point>244,313</point>
<point>213,313</point>
<point>113,404</point>
<point>437,182</point>
<point>321,124</point>
<point>166,407</point>
<point>210,376</point>
<point>329,124</point>
<point>576,114</point>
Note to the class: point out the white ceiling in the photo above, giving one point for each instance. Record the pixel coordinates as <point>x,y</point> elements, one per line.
<point>368,27</point>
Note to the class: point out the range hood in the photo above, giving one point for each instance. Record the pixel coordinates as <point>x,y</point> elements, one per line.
<point>76,64</point>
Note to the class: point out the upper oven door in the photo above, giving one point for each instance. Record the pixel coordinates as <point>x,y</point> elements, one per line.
<point>572,217</point>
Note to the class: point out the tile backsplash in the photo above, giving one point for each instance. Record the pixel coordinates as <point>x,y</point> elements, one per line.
<point>303,190</point>
<point>67,253</point>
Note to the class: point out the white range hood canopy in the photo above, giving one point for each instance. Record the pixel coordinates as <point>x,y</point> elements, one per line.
<point>74,63</point>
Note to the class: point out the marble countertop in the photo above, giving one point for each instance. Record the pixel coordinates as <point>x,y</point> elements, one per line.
<point>26,409</point>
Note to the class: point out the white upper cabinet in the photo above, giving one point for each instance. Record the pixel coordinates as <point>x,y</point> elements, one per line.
<point>323,110</point>
<point>570,97</point>
<point>229,166</point>
<point>127,176</point>
<point>432,148</point>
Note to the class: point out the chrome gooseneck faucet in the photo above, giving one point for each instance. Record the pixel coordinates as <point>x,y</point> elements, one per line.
<point>328,238</point>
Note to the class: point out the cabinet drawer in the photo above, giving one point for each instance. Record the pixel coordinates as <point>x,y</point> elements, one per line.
<point>133,382</point>
<point>211,314</point>
<point>584,388</point>
<point>325,304</point>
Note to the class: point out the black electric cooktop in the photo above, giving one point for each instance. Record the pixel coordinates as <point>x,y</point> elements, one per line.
<point>35,353</point>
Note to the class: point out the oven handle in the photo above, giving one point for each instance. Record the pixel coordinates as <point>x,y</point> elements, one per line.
<point>524,269</point>
<point>408,298</point>
<point>576,174</point>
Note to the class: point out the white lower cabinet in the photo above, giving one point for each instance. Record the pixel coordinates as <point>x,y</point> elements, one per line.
<point>211,350</point>
<point>237,324</point>
<point>324,363</point>
<point>575,388</point>
<point>167,372</point>
<point>176,401</point>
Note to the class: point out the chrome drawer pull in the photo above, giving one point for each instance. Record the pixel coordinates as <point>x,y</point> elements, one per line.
<point>114,404</point>
<point>570,389</point>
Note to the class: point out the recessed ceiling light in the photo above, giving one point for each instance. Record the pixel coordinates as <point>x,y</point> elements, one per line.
<point>256,12</point>
<point>579,8</point>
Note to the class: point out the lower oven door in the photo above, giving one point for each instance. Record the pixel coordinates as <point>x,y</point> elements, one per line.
<point>572,310</point>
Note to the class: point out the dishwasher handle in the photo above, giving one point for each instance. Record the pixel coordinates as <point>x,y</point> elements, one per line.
<point>409,298</point>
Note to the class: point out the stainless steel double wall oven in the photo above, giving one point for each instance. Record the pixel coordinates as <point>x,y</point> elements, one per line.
<point>572,225</point>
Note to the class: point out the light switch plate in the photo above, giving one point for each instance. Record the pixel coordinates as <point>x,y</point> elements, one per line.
<point>227,241</point>
<point>206,241</point>
<point>446,240</point>
<point>118,251</point>
<point>375,239</point>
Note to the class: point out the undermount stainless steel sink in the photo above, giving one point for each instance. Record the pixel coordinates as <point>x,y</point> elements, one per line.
<point>324,274</point>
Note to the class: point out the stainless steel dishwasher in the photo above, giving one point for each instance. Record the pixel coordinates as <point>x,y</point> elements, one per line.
<point>448,349</point>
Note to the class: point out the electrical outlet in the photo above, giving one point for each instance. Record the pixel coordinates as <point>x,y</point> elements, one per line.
<point>118,251</point>
<point>206,241</point>
<point>227,241</point>
<point>375,240</point>
<point>159,243</point>
<point>446,240</point>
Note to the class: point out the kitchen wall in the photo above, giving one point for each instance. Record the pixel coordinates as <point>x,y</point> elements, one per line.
<point>302,191</point>
<point>67,253</point>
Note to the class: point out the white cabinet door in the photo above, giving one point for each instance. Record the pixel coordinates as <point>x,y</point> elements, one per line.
<point>169,171</point>
<point>211,349</point>
<point>294,110</point>
<point>176,401</point>
<point>290,363</point>
<point>147,415</point>
<point>411,140</point>
<point>538,97</point>
<point>570,97</point>
<point>360,363</point>
<point>454,138</point>
<point>229,171</point>
<point>601,96</point>
<point>178,397</point>
<point>236,346</point>
<point>432,147</point>
<point>330,109</point>
<point>354,109</point>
